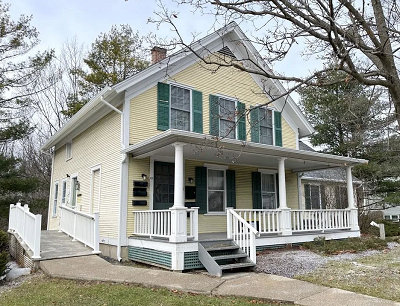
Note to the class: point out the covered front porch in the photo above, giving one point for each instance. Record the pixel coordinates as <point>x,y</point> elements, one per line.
<point>250,227</point>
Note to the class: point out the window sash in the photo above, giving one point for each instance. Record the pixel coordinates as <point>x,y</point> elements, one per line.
<point>268,191</point>
<point>180,108</point>
<point>216,190</point>
<point>68,150</point>
<point>73,192</point>
<point>55,200</point>
<point>63,192</point>
<point>228,118</point>
<point>266,126</point>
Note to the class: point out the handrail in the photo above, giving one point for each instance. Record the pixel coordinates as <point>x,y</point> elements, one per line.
<point>242,233</point>
<point>78,212</point>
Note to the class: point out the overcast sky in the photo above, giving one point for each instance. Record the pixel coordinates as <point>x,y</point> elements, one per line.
<point>59,20</point>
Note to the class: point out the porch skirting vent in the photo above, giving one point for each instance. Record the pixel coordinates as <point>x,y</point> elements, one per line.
<point>192,261</point>
<point>150,256</point>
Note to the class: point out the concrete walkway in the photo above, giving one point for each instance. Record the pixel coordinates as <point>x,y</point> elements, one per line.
<point>262,286</point>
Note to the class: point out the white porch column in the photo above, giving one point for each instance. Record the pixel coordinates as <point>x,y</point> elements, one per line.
<point>350,197</point>
<point>179,211</point>
<point>286,224</point>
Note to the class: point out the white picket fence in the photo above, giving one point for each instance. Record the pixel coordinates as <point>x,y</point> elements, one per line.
<point>80,226</point>
<point>27,226</point>
<point>157,223</point>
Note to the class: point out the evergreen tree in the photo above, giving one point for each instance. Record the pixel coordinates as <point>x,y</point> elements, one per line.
<point>114,57</point>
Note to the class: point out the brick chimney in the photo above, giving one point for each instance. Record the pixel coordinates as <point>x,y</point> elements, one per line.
<point>158,54</point>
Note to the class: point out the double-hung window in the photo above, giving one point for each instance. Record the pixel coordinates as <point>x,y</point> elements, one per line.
<point>68,150</point>
<point>314,196</point>
<point>216,190</point>
<point>266,126</point>
<point>227,121</point>
<point>268,191</point>
<point>180,108</point>
<point>63,191</point>
<point>55,200</point>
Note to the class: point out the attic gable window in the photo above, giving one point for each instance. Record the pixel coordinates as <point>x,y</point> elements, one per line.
<point>227,121</point>
<point>68,150</point>
<point>266,126</point>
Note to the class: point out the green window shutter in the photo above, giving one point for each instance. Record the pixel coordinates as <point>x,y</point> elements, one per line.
<point>241,120</point>
<point>197,110</point>
<point>255,124</point>
<point>278,128</point>
<point>214,115</point>
<point>307,195</point>
<point>201,189</point>
<point>230,188</point>
<point>162,106</point>
<point>256,188</point>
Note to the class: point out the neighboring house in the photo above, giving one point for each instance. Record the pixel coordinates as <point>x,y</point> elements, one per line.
<point>146,152</point>
<point>327,188</point>
<point>392,213</point>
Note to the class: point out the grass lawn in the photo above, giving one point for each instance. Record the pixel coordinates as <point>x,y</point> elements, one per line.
<point>377,275</point>
<point>49,291</point>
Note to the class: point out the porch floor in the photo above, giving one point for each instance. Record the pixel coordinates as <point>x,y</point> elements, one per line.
<point>54,244</point>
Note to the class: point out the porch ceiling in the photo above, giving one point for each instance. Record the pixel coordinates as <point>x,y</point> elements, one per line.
<point>206,148</point>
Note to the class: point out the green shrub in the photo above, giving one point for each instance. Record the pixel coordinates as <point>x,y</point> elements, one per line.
<point>391,228</point>
<point>352,245</point>
<point>4,258</point>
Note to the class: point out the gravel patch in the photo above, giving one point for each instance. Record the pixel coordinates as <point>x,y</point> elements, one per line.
<point>293,262</point>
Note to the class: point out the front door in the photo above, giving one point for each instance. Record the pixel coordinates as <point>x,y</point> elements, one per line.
<point>163,185</point>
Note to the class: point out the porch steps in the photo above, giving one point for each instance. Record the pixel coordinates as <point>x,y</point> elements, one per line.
<point>219,256</point>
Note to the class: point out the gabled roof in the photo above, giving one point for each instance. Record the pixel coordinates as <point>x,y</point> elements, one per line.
<point>329,175</point>
<point>230,36</point>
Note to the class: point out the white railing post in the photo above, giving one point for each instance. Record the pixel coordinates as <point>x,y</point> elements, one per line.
<point>36,243</point>
<point>11,218</point>
<point>24,227</point>
<point>96,238</point>
<point>195,223</point>
<point>286,221</point>
<point>354,219</point>
<point>253,251</point>
<point>74,229</point>
<point>229,222</point>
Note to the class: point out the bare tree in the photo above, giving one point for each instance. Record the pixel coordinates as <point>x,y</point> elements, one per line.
<point>360,37</point>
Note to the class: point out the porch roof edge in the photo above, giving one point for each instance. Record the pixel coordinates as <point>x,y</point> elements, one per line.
<point>171,136</point>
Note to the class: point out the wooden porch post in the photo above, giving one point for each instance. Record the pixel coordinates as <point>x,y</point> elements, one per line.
<point>179,211</point>
<point>351,205</point>
<point>286,225</point>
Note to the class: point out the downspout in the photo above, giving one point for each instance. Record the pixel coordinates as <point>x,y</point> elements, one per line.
<point>123,162</point>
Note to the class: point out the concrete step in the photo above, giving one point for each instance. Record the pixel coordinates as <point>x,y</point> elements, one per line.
<point>238,265</point>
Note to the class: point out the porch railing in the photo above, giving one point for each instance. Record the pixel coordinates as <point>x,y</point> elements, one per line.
<point>242,233</point>
<point>309,220</point>
<point>27,226</point>
<point>80,226</point>
<point>263,220</point>
<point>157,223</point>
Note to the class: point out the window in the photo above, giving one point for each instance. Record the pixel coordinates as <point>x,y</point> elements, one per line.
<point>266,126</point>
<point>227,113</point>
<point>216,190</point>
<point>341,200</point>
<point>63,191</point>
<point>312,194</point>
<point>180,108</point>
<point>55,200</point>
<point>68,150</point>
<point>268,192</point>
<point>74,183</point>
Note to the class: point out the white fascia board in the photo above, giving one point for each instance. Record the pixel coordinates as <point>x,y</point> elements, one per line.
<point>72,123</point>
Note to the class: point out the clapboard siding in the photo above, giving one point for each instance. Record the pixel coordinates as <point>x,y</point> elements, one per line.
<point>226,81</point>
<point>98,145</point>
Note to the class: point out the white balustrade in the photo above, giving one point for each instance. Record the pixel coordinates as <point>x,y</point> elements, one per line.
<point>242,233</point>
<point>263,220</point>
<point>80,226</point>
<point>157,223</point>
<point>311,220</point>
<point>27,226</point>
